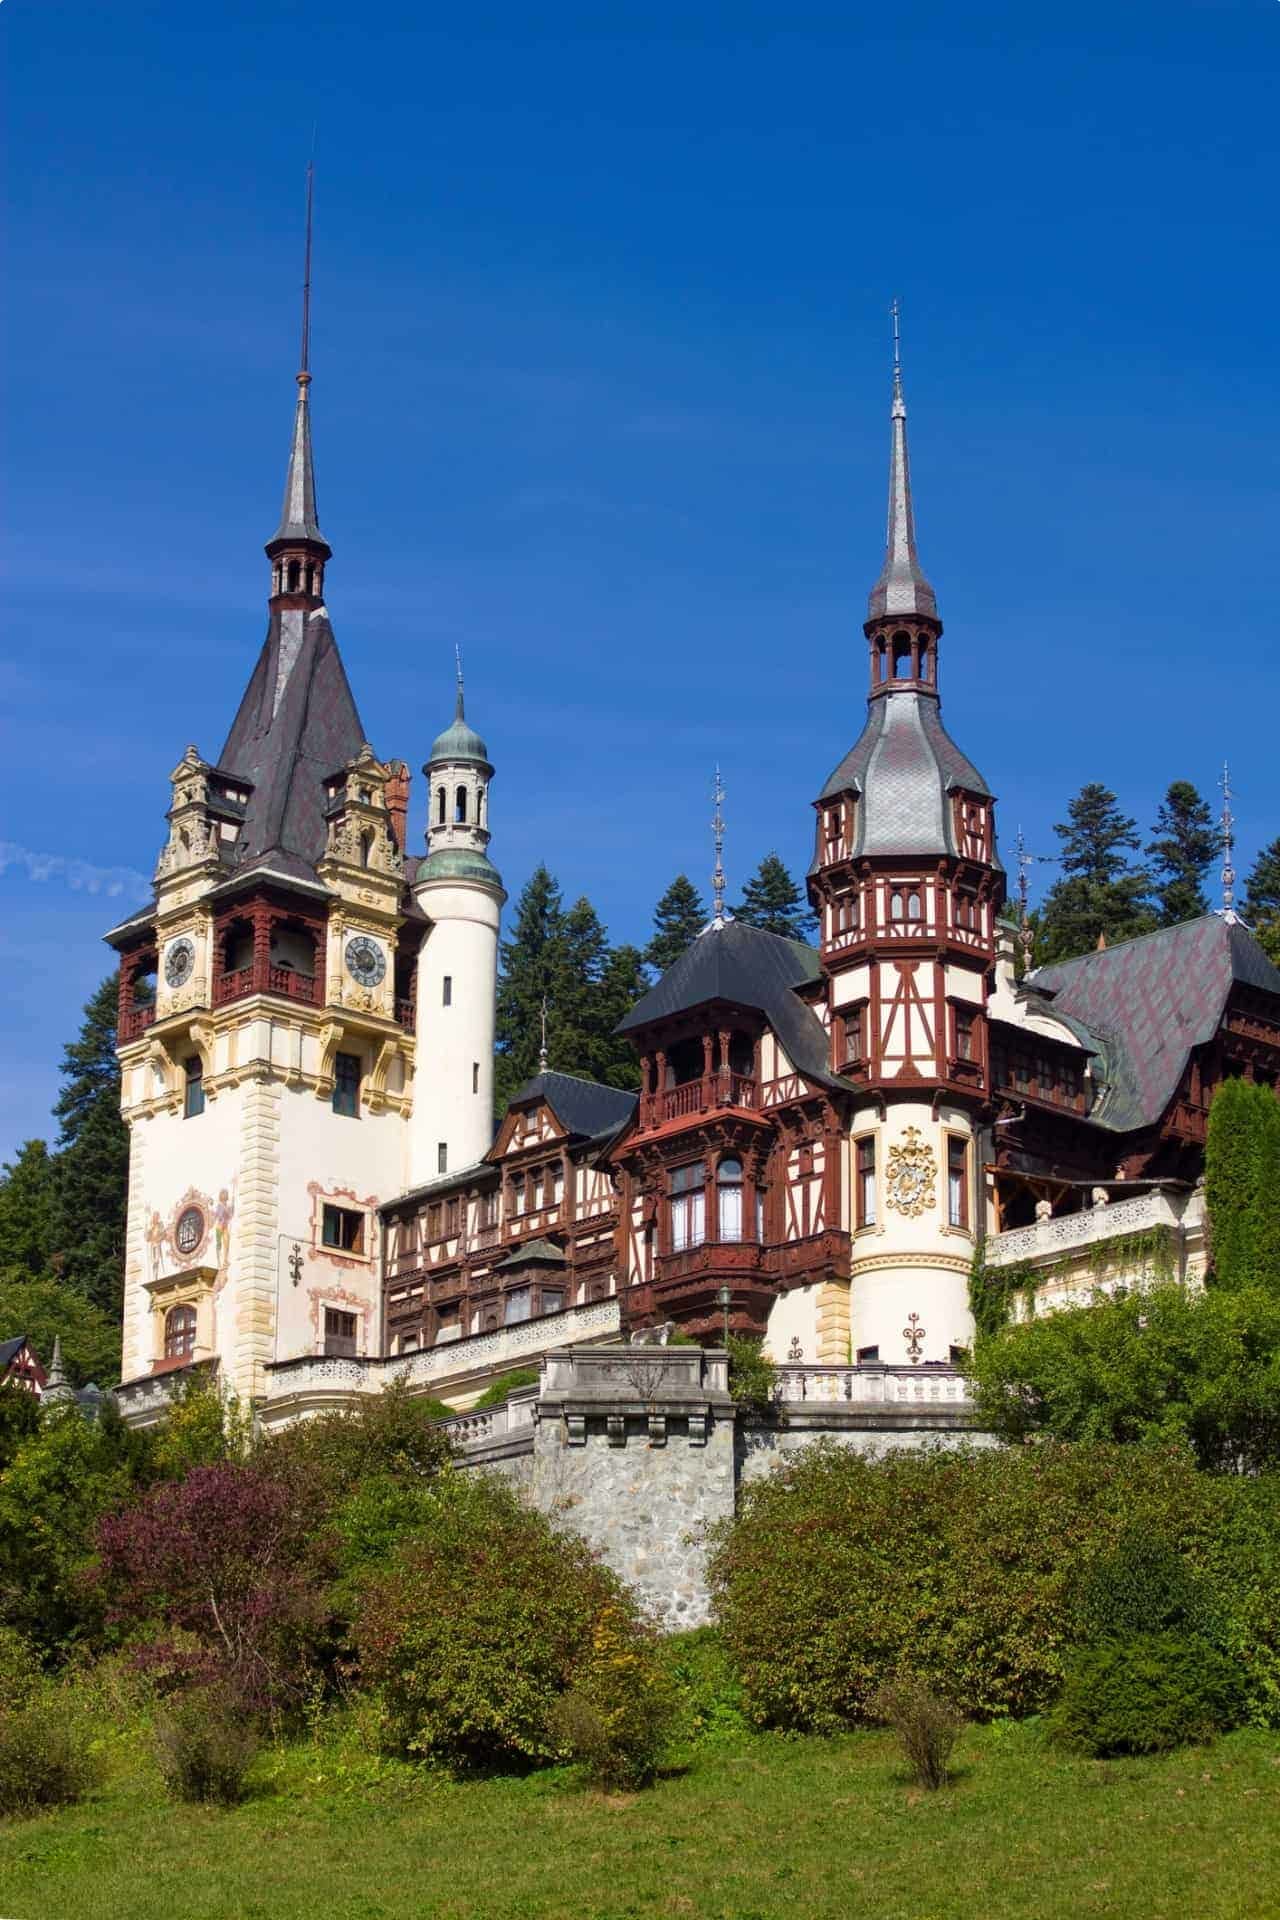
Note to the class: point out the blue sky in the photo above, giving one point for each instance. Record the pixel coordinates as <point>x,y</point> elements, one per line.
<point>601,389</point>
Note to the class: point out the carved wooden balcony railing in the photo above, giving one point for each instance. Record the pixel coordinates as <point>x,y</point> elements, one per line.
<point>232,986</point>
<point>286,982</point>
<point>713,1259</point>
<point>136,1021</point>
<point>704,1095</point>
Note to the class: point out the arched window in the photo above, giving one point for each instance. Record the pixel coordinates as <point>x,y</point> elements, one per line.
<point>882,663</point>
<point>688,1206</point>
<point>895,904</point>
<point>913,904</point>
<point>294,571</point>
<point>366,848</point>
<point>729,1199</point>
<point>460,806</point>
<point>441,803</point>
<point>311,579</point>
<point>902,656</point>
<point>179,1333</point>
<point>924,660</point>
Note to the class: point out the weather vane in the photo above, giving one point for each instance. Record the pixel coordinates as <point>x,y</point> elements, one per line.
<point>1227,832</point>
<point>717,828</point>
<point>306,280</point>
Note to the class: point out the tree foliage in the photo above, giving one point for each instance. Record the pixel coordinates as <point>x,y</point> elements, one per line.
<point>678,919</point>
<point>1262,900</point>
<point>772,901</point>
<point>1242,1185</point>
<point>1181,851</point>
<point>561,957</point>
<point>1100,891</point>
<point>1159,1365</point>
<point>92,1159</point>
<point>62,1479</point>
<point>45,1309</point>
<point>26,1214</point>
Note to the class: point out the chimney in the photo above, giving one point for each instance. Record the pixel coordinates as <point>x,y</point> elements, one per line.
<point>397,791</point>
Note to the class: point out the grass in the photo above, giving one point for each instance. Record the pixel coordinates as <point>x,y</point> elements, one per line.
<point>755,1828</point>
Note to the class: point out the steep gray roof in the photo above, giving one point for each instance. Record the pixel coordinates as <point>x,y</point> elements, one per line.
<point>297,721</point>
<point>748,968</point>
<point>902,587</point>
<point>1148,1002</point>
<point>299,519</point>
<point>585,1106</point>
<point>903,767</point>
<point>10,1349</point>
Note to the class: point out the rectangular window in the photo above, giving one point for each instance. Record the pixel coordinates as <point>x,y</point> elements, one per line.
<point>346,1085</point>
<point>957,1181</point>
<point>552,1302</point>
<point>516,1306</point>
<point>688,1207</point>
<point>435,1218</point>
<point>475,1076</point>
<point>343,1228</point>
<point>964,1034</point>
<point>866,1181</point>
<point>451,1212</point>
<point>442,1157</point>
<point>193,1092</point>
<point>339,1331</point>
<point>867,1356</point>
<point>855,1033</point>
<point>447,991</point>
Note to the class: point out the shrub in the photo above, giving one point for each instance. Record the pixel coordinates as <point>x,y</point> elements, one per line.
<point>201,1429</point>
<point>1142,1586</point>
<point>753,1377</point>
<point>205,1745</point>
<point>1158,1365</point>
<point>225,1572</point>
<point>327,1458</point>
<point>616,1717</point>
<point>708,1694</point>
<point>477,1625</point>
<point>1147,1694</point>
<point>926,1724</point>
<point>45,1756</point>
<point>52,1494</point>
<point>1242,1185</point>
<point>498,1392</point>
<point>968,1570</point>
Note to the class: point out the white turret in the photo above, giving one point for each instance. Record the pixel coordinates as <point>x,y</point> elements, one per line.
<point>461,893</point>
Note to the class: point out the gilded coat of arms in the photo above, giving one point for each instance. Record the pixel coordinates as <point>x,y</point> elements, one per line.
<point>911,1173</point>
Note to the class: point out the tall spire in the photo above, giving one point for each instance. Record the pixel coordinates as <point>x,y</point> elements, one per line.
<point>902,587</point>
<point>299,522</point>
<point>717,829</point>
<point>1227,836</point>
<point>459,708</point>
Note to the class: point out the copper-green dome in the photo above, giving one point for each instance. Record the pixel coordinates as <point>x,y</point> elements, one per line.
<point>459,741</point>
<point>458,863</point>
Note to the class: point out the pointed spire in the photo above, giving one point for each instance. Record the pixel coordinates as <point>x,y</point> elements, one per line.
<point>902,587</point>
<point>459,710</point>
<point>1227,836</point>
<point>298,517</point>
<point>717,878</point>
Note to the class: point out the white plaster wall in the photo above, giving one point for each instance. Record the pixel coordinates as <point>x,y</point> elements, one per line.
<point>462,943</point>
<point>793,1316</point>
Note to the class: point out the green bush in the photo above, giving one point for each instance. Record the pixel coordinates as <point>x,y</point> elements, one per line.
<point>1242,1185</point>
<point>1147,1694</point>
<point>205,1744</point>
<point>753,1377</point>
<point>1142,1586</point>
<point>46,1758</point>
<point>618,1714</point>
<point>926,1724</point>
<point>478,1624</point>
<point>388,1433</point>
<point>499,1391</point>
<point>708,1693</point>
<point>969,1570</point>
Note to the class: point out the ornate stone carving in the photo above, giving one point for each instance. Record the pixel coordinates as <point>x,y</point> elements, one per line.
<point>911,1175</point>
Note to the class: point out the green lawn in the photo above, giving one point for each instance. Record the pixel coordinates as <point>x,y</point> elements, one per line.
<point>758,1828</point>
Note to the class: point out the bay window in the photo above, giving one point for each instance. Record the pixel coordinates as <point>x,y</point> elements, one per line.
<point>688,1206</point>
<point>729,1199</point>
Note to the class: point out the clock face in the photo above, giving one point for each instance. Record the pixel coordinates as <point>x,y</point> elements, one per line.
<point>189,1231</point>
<point>366,961</point>
<point>179,961</point>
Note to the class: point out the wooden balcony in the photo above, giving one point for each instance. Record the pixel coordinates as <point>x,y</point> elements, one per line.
<point>703,1095</point>
<point>285,982</point>
<point>713,1260</point>
<point>136,1021</point>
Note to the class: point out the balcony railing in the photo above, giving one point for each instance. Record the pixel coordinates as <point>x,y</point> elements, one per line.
<point>702,1096</point>
<point>292,984</point>
<point>232,986</point>
<point>406,1014</point>
<point>136,1021</point>
<point>1067,1233</point>
<point>287,982</point>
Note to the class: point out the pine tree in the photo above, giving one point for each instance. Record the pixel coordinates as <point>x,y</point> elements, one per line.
<point>1262,900</point>
<point>1100,891</point>
<point>91,1170</point>
<point>1182,851</point>
<point>772,901</point>
<point>678,919</point>
<point>527,979</point>
<point>1242,1185</point>
<point>26,1211</point>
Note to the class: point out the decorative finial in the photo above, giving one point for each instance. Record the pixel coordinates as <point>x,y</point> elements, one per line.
<point>459,712</point>
<point>717,828</point>
<point>1227,832</point>
<point>1025,936</point>
<point>304,364</point>
<point>899,404</point>
<point>542,1050</point>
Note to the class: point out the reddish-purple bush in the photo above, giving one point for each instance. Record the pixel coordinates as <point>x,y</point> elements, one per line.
<point>224,1572</point>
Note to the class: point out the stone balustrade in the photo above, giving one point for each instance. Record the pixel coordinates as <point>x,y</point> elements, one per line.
<point>871,1386</point>
<point>1067,1233</point>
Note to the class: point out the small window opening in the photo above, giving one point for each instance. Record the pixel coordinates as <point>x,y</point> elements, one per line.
<point>957,1182</point>
<point>866,1184</point>
<point>446,991</point>
<point>442,1157</point>
<point>179,1333</point>
<point>193,1092</point>
<point>342,1228</point>
<point>294,572</point>
<point>902,656</point>
<point>866,1356</point>
<point>460,806</point>
<point>440,806</point>
<point>475,1076</point>
<point>339,1331</point>
<point>346,1085</point>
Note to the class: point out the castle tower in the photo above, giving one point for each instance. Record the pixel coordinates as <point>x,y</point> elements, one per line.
<point>460,892</point>
<point>907,883</point>
<point>266,1043</point>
